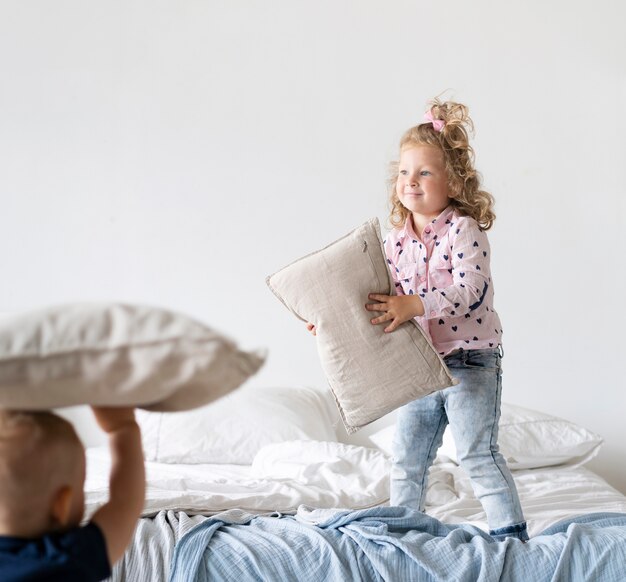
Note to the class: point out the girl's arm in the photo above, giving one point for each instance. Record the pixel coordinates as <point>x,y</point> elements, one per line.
<point>392,256</point>
<point>471,274</point>
<point>396,308</point>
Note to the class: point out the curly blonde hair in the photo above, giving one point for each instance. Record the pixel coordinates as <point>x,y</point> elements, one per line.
<point>463,179</point>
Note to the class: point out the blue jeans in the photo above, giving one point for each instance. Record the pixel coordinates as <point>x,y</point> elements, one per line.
<point>473,409</point>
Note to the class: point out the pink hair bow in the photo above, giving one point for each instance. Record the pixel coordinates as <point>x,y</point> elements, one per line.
<point>437,123</point>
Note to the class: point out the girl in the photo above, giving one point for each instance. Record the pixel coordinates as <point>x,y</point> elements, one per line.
<point>439,257</point>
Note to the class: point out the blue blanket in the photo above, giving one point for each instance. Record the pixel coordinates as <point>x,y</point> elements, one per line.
<point>395,544</point>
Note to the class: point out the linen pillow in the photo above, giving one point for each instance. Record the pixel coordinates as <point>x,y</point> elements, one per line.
<point>370,372</point>
<point>528,439</point>
<point>115,354</point>
<point>236,427</point>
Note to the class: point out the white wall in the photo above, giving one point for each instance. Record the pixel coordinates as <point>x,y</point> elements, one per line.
<point>175,153</point>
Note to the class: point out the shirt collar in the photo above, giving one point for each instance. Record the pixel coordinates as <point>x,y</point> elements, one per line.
<point>407,229</point>
<point>439,225</point>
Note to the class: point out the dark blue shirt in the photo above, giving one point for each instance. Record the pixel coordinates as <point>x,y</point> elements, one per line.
<point>77,555</point>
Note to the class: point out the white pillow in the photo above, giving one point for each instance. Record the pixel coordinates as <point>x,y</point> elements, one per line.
<point>233,429</point>
<point>370,372</point>
<point>528,440</point>
<point>115,354</point>
<point>383,439</point>
<point>331,464</point>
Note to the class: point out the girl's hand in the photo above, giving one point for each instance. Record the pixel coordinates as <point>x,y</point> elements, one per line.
<point>310,327</point>
<point>395,308</point>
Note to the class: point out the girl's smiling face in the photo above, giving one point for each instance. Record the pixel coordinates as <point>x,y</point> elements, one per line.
<point>422,183</point>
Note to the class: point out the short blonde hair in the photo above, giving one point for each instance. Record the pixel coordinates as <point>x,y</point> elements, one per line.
<point>463,179</point>
<point>39,452</point>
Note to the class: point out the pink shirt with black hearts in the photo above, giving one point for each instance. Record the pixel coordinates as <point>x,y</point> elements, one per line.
<point>449,269</point>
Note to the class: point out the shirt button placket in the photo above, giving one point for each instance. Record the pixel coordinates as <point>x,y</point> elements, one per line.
<point>427,245</point>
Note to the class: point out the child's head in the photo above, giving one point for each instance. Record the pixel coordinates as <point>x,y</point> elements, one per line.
<point>445,130</point>
<point>42,473</point>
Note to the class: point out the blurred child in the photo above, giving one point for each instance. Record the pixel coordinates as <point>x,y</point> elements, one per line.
<point>42,475</point>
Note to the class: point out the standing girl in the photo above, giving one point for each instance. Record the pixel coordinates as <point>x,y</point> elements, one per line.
<point>439,257</point>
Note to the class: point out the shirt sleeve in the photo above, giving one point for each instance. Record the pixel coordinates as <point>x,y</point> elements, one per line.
<point>389,245</point>
<point>471,273</point>
<point>88,550</point>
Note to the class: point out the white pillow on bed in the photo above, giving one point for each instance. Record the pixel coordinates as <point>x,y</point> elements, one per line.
<point>369,372</point>
<point>317,463</point>
<point>528,440</point>
<point>233,429</point>
<point>116,355</point>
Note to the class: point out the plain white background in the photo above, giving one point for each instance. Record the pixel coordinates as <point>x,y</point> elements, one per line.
<point>176,153</point>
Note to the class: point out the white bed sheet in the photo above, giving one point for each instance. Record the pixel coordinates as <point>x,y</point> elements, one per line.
<point>548,495</point>
<point>334,475</point>
<point>282,477</point>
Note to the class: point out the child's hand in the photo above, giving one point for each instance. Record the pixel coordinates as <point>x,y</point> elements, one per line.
<point>395,308</point>
<point>310,327</point>
<point>111,419</point>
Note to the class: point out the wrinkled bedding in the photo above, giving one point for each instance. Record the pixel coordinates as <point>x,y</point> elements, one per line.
<point>286,476</point>
<point>393,543</point>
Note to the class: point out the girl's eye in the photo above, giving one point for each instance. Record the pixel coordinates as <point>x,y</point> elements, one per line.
<point>425,173</point>
<point>403,172</point>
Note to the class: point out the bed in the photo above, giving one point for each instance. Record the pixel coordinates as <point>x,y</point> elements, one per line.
<point>292,502</point>
<point>260,483</point>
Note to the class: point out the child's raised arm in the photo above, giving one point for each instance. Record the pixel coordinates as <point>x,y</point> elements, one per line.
<point>127,482</point>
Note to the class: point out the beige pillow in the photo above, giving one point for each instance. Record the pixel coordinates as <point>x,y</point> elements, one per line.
<point>370,372</point>
<point>113,354</point>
